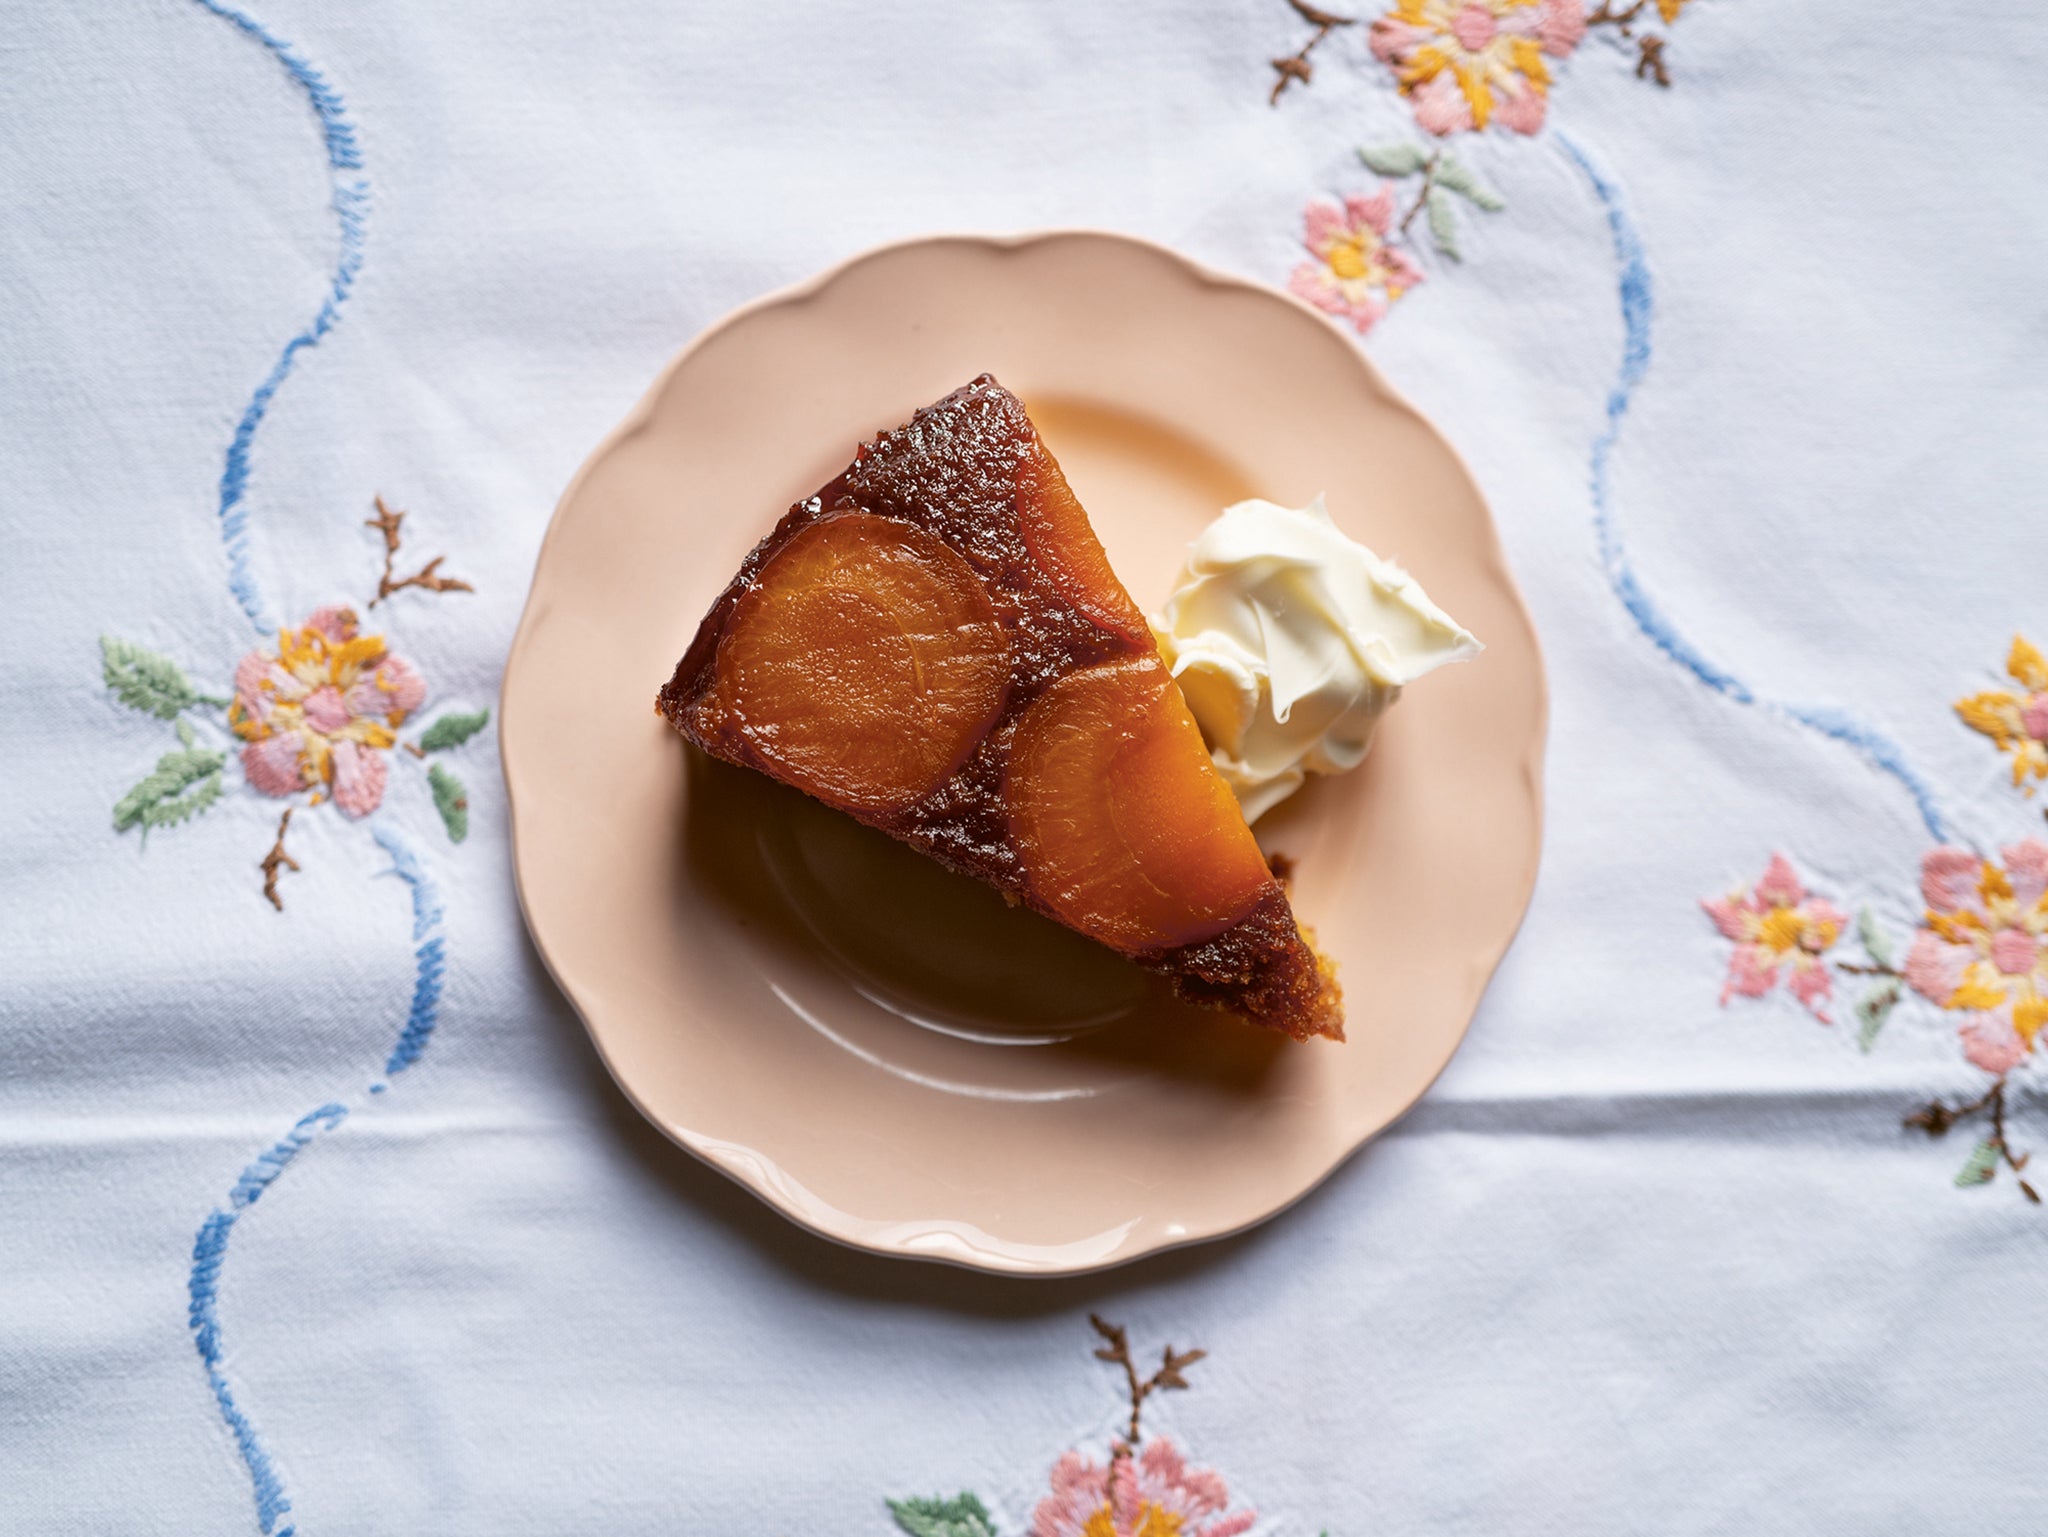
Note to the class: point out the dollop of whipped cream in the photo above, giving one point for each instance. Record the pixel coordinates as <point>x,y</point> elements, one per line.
<point>1290,640</point>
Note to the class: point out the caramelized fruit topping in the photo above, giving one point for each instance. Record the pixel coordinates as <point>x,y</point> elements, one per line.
<point>865,663</point>
<point>1126,831</point>
<point>1058,535</point>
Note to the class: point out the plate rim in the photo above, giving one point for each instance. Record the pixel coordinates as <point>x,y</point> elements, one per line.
<point>808,1217</point>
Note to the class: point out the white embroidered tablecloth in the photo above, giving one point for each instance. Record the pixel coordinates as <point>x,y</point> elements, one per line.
<point>321,1217</point>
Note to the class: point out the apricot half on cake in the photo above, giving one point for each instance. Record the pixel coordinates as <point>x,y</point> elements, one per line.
<point>936,645</point>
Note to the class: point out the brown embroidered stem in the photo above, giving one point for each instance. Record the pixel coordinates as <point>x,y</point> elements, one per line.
<point>1296,66</point>
<point>1422,197</point>
<point>1935,1118</point>
<point>1118,1352</point>
<point>1868,971</point>
<point>1650,61</point>
<point>2013,1161</point>
<point>277,859</point>
<point>1605,15</point>
<point>387,523</point>
<point>1649,48</point>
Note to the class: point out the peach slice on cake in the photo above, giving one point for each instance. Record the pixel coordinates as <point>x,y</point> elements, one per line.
<point>863,667</point>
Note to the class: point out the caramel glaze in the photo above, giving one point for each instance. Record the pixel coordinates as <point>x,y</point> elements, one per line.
<point>953,470</point>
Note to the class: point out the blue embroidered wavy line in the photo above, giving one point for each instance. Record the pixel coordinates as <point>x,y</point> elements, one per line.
<point>1636,310</point>
<point>351,209</point>
<point>209,1251</point>
<point>430,958</point>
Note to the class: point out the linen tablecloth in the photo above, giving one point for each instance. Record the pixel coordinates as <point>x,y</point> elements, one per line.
<point>320,1215</point>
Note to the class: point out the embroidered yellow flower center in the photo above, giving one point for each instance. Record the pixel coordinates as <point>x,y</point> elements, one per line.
<point>326,687</point>
<point>1152,1522</point>
<point>324,671</point>
<point>1347,257</point>
<point>1490,48</point>
<point>1780,930</point>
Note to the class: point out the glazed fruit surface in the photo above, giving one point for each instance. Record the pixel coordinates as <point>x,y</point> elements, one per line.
<point>1127,833</point>
<point>865,664</point>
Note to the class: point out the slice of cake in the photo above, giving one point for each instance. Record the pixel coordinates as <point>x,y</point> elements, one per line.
<point>935,644</point>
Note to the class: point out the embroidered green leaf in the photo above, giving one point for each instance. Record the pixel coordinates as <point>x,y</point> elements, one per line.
<point>451,800</point>
<point>1393,159</point>
<point>452,731</point>
<point>1443,223</point>
<point>1455,174</point>
<point>1873,1009</point>
<point>1982,1164</point>
<point>1876,943</point>
<point>182,808</point>
<point>182,785</point>
<point>145,681</point>
<point>961,1516</point>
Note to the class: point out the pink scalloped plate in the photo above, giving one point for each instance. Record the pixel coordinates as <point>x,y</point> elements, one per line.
<point>885,1051</point>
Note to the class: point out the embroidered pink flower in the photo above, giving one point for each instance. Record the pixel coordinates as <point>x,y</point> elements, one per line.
<point>1466,63</point>
<point>319,713</point>
<point>1356,273</point>
<point>1984,948</point>
<point>2016,719</point>
<point>1152,1493</point>
<point>1779,930</point>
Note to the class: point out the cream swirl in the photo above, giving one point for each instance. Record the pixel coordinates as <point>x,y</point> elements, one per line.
<point>1290,640</point>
